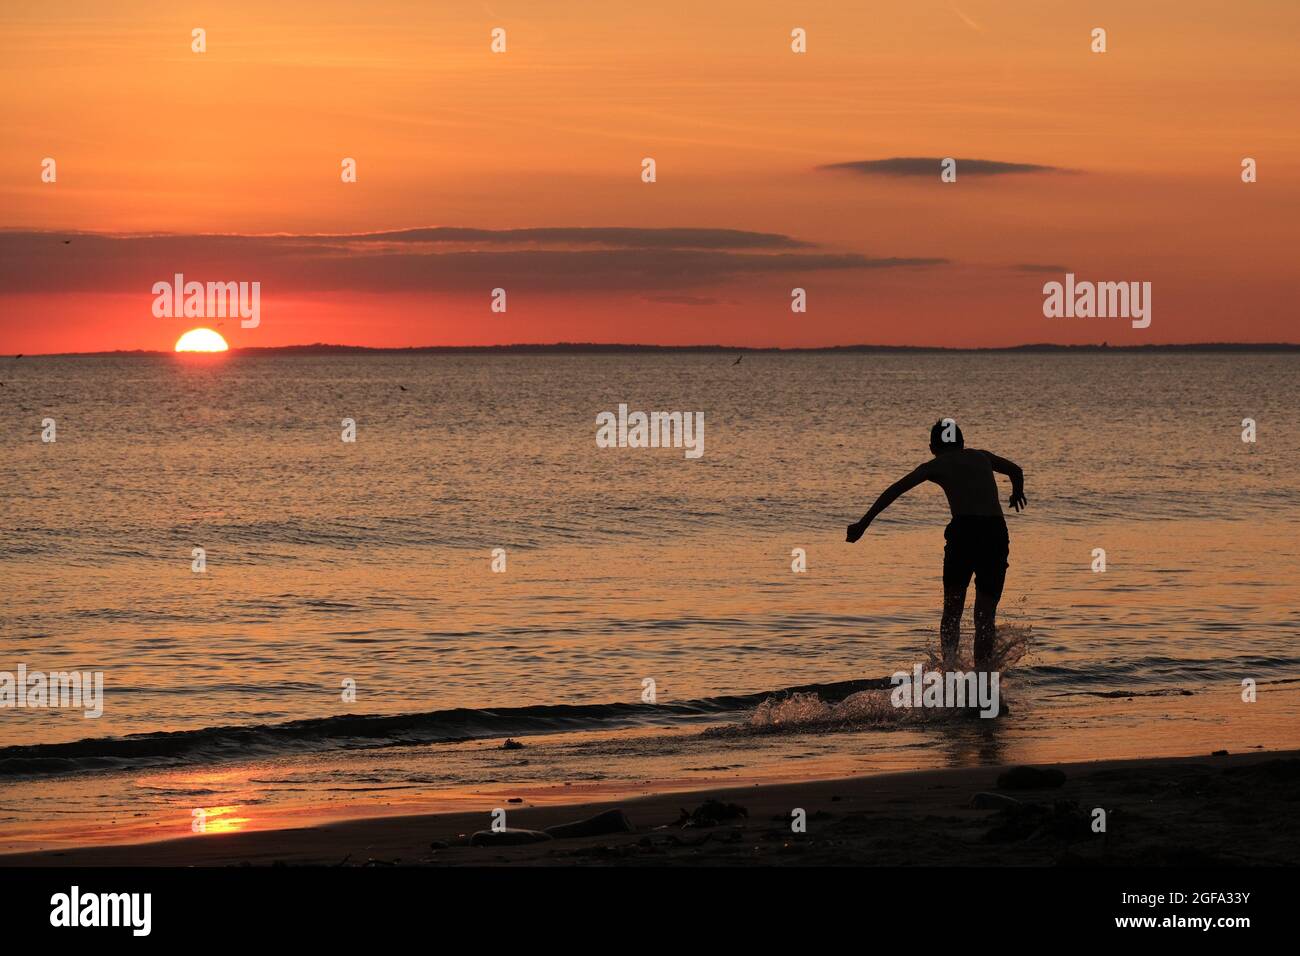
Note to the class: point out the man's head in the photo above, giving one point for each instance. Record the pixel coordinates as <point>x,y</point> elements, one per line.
<point>945,436</point>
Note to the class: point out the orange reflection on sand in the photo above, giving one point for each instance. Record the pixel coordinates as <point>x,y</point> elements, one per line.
<point>220,820</point>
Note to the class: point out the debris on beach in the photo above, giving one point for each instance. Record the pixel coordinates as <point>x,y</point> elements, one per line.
<point>992,801</point>
<point>1030,778</point>
<point>611,821</point>
<point>508,837</point>
<point>512,744</point>
<point>815,815</point>
<point>711,813</point>
<point>1063,820</point>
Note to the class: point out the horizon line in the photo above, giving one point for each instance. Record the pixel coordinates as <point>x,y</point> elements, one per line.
<point>590,347</point>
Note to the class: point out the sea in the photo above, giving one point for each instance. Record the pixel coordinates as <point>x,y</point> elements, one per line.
<point>290,626</point>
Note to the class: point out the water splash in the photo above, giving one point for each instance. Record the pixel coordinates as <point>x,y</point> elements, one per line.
<point>1011,645</point>
<point>872,709</point>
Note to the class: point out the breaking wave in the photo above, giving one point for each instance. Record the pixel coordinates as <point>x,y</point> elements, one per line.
<point>803,711</point>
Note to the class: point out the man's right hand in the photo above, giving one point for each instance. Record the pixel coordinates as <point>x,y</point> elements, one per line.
<point>856,531</point>
<point>1017,500</point>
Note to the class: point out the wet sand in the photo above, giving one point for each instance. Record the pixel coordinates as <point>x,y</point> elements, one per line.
<point>1238,809</point>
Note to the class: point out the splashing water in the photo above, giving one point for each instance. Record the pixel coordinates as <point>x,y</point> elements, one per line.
<point>805,712</point>
<point>1011,644</point>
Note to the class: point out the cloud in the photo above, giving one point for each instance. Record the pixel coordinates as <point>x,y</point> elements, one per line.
<point>617,237</point>
<point>1039,267</point>
<point>929,166</point>
<point>683,299</point>
<point>969,21</point>
<point>419,260</point>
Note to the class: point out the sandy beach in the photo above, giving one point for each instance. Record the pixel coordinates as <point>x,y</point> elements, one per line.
<point>1234,809</point>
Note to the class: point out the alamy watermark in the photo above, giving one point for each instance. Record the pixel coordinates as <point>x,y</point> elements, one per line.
<point>1098,300</point>
<point>651,430</point>
<point>82,690</point>
<point>75,908</point>
<point>955,689</point>
<point>216,300</point>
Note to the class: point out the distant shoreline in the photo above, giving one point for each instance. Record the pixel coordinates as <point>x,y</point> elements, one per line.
<point>596,348</point>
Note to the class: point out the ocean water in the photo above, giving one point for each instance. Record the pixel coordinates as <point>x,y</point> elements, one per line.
<point>372,562</point>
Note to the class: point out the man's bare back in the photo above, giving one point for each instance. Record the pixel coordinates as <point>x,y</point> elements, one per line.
<point>966,477</point>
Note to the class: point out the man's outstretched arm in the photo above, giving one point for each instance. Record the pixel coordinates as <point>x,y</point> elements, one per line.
<point>1009,468</point>
<point>887,498</point>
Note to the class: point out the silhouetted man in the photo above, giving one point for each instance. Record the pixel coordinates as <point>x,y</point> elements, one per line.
<point>977,541</point>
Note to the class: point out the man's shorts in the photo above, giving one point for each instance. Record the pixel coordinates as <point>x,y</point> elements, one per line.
<point>976,544</point>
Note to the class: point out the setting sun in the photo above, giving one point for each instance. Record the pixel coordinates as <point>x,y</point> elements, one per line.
<point>201,340</point>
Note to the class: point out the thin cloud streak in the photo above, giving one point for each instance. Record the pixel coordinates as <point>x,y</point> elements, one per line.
<point>930,166</point>
<point>420,260</point>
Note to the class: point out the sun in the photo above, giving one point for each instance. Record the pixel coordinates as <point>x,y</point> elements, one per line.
<point>201,340</point>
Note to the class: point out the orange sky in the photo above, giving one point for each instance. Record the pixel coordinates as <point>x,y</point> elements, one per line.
<point>1143,143</point>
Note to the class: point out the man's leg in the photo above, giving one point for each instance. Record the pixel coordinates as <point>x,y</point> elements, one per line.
<point>986,615</point>
<point>954,602</point>
<point>990,576</point>
<point>957,569</point>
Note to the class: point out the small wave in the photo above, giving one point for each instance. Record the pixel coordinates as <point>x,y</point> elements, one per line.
<point>872,708</point>
<point>371,731</point>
